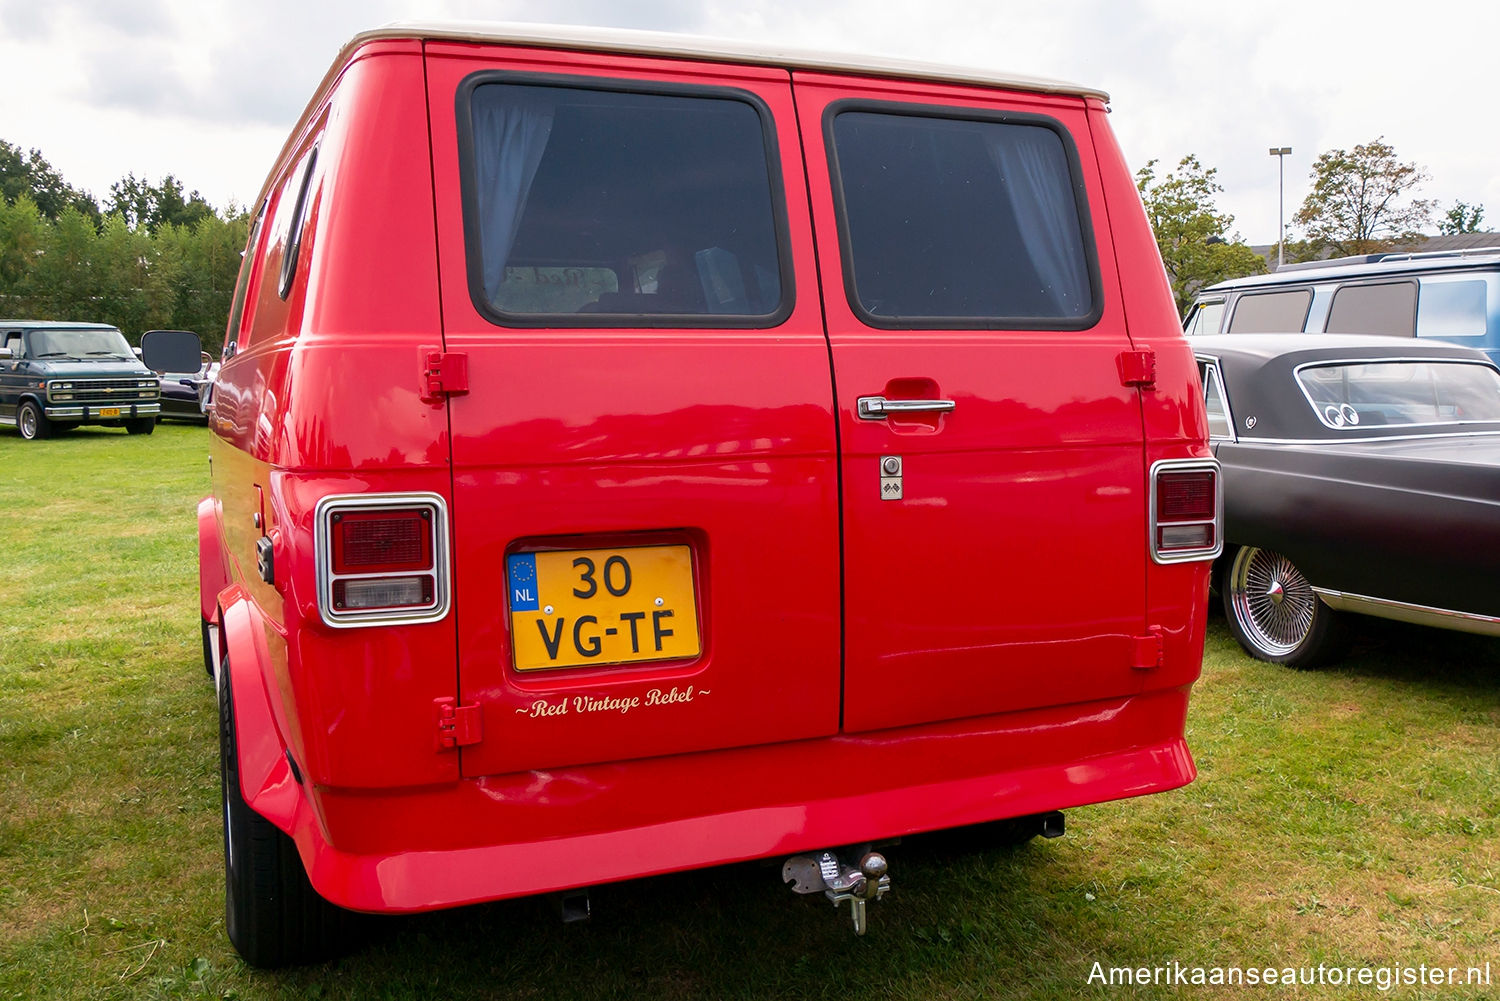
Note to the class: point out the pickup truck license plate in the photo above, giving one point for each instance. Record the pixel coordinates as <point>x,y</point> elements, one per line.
<point>582,607</point>
<point>109,411</point>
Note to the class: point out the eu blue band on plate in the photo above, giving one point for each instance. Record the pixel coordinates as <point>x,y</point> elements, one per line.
<point>520,576</point>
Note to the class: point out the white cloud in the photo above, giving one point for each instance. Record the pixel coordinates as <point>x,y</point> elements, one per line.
<point>208,90</point>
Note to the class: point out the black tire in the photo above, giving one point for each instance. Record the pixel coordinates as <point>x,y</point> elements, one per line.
<point>273,915</point>
<point>31,422</point>
<point>1274,613</point>
<point>140,425</point>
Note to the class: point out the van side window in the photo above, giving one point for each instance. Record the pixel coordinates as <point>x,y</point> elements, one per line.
<point>1387,308</point>
<point>1271,312</point>
<point>1448,307</point>
<point>296,195</point>
<point>592,207</point>
<point>960,221</point>
<point>242,284</point>
<point>13,341</point>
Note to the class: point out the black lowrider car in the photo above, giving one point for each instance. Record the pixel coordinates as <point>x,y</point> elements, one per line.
<point>1361,474</point>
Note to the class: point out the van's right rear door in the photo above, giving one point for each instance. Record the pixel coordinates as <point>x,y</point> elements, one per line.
<point>992,456</point>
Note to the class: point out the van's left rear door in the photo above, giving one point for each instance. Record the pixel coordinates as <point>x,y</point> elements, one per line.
<point>645,489</point>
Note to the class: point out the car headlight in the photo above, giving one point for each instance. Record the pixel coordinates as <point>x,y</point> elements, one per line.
<point>62,396</point>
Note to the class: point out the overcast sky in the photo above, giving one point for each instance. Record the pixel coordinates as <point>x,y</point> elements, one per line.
<point>207,90</point>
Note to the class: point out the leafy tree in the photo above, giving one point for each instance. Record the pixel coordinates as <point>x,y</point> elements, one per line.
<point>62,280</point>
<point>1362,201</point>
<point>1461,218</point>
<point>1191,232</point>
<point>22,230</point>
<point>152,206</point>
<point>34,177</point>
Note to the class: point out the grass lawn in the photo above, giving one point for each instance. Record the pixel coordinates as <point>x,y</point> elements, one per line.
<point>1348,817</point>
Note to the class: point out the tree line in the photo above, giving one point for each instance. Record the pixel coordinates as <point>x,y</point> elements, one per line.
<point>151,257</point>
<point>1362,201</point>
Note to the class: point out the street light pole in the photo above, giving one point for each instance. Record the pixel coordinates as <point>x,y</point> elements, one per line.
<point>1280,153</point>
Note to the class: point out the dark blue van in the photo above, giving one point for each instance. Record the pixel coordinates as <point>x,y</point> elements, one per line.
<point>58,375</point>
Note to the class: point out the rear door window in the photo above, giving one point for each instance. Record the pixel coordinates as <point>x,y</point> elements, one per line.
<point>594,207</point>
<point>1271,312</point>
<point>1388,308</point>
<point>962,222</point>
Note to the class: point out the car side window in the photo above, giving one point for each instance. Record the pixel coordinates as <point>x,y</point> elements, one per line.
<point>950,219</point>
<point>1271,312</point>
<point>1207,317</point>
<point>1450,306</point>
<point>13,341</point>
<point>1219,425</point>
<point>1388,308</point>
<point>595,207</point>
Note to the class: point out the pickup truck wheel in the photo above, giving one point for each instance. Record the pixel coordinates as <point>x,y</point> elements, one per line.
<point>32,423</point>
<point>141,425</point>
<point>1274,612</point>
<point>273,915</point>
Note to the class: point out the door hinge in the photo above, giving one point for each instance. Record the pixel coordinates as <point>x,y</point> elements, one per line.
<point>1137,368</point>
<point>457,726</point>
<point>1145,651</point>
<point>444,373</point>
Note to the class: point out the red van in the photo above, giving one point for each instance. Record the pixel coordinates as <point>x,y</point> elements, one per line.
<point>634,453</point>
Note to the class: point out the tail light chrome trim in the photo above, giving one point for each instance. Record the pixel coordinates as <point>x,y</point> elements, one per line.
<point>1216,523</point>
<point>441,570</point>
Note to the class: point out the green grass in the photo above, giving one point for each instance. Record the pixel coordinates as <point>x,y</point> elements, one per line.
<point>1347,817</point>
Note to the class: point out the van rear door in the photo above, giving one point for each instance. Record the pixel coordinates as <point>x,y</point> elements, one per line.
<point>992,456</point>
<point>644,464</point>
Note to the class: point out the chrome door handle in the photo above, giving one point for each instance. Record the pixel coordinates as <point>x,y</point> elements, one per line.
<point>875,408</point>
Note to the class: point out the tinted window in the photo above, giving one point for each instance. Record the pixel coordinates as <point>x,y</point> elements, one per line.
<point>627,204</point>
<point>1402,393</point>
<point>1389,308</point>
<point>1271,312</point>
<point>960,221</point>
<point>1453,308</point>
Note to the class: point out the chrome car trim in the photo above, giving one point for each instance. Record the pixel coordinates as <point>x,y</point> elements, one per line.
<point>323,549</point>
<point>1248,440</point>
<point>1393,360</point>
<point>1420,615</point>
<point>1186,466</point>
<point>1215,370</point>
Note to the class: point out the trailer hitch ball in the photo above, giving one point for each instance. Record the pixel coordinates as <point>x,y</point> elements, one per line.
<point>839,881</point>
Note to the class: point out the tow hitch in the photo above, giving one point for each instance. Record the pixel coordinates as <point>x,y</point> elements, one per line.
<point>839,881</point>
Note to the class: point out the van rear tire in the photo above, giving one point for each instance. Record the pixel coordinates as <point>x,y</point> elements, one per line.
<point>273,915</point>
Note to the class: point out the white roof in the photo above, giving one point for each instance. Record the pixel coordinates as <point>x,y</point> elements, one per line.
<point>656,43</point>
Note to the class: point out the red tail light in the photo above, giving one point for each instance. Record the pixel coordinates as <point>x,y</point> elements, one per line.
<point>382,559</point>
<point>382,542</point>
<point>1186,510</point>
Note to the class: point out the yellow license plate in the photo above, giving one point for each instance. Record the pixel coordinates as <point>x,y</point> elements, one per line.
<point>582,607</point>
<point>109,411</point>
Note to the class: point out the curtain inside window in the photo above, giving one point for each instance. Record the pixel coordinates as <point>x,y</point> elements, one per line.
<point>1037,180</point>
<point>511,130</point>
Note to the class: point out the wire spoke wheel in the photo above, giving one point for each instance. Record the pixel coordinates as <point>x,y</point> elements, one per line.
<point>1272,601</point>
